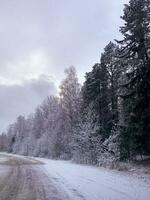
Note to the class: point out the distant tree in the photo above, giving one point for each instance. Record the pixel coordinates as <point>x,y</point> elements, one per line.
<point>38,123</point>
<point>70,101</point>
<point>53,127</point>
<point>114,69</point>
<point>3,142</point>
<point>86,138</point>
<point>96,93</point>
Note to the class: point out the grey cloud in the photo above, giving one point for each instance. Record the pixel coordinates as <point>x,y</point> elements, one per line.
<point>22,99</point>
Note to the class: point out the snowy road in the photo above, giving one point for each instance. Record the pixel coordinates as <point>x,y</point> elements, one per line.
<point>92,183</point>
<point>23,179</point>
<point>28,179</point>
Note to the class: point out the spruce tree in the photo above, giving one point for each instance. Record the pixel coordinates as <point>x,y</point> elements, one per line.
<point>114,70</point>
<point>96,95</point>
<point>135,49</point>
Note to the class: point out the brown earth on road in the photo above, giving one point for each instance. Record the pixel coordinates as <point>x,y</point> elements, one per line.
<point>23,179</point>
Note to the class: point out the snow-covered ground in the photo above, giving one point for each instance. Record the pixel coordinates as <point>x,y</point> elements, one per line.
<point>92,183</point>
<point>65,180</point>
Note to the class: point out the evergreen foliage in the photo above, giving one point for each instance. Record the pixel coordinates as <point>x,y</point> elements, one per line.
<point>136,99</point>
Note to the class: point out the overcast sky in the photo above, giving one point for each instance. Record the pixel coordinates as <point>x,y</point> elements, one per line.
<point>40,38</point>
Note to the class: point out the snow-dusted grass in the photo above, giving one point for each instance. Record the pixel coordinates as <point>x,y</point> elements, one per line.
<point>92,183</point>
<point>3,158</point>
<point>13,159</point>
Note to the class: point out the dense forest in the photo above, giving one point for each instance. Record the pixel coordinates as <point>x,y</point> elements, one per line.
<point>107,119</point>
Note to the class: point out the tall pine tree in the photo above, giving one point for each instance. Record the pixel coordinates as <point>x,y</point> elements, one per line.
<point>135,48</point>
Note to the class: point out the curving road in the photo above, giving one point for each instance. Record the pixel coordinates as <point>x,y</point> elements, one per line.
<point>23,179</point>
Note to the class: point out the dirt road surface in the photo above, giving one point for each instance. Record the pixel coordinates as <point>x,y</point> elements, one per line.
<point>23,179</point>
